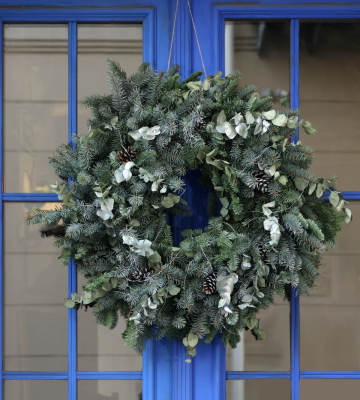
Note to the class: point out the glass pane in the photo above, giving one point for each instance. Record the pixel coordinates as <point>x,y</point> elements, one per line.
<point>329,389</point>
<point>35,104</point>
<point>96,43</point>
<point>270,354</point>
<point>109,390</point>
<point>330,315</point>
<point>270,389</point>
<point>104,349</point>
<point>329,98</point>
<point>260,50</point>
<point>35,390</point>
<point>35,285</point>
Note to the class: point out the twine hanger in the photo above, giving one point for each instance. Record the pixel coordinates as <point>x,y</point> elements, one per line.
<point>197,39</point>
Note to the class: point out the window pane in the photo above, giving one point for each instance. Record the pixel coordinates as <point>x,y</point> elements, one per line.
<point>329,389</point>
<point>329,98</point>
<point>109,390</point>
<point>35,285</point>
<point>35,104</point>
<point>270,354</point>
<point>270,389</point>
<point>103,349</point>
<point>261,52</point>
<point>96,43</point>
<point>330,315</point>
<point>35,390</point>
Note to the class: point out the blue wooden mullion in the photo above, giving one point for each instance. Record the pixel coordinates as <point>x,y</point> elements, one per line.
<point>182,374</point>
<point>51,197</point>
<point>110,375</point>
<point>295,301</point>
<point>116,4</point>
<point>1,208</point>
<point>277,10</point>
<point>245,375</point>
<point>72,278</point>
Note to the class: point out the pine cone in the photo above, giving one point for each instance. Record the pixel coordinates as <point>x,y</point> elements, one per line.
<point>209,285</point>
<point>261,182</point>
<point>263,252</point>
<point>127,154</point>
<point>201,125</point>
<point>142,274</point>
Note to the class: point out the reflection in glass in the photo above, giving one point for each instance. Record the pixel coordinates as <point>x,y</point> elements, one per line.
<point>261,52</point>
<point>35,284</point>
<point>270,354</point>
<point>109,390</point>
<point>329,98</point>
<point>329,389</point>
<point>35,103</point>
<point>104,349</point>
<point>330,315</point>
<point>270,389</point>
<point>35,390</point>
<point>96,43</point>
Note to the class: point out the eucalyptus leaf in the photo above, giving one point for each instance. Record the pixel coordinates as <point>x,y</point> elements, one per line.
<point>247,298</point>
<point>224,211</point>
<point>334,198</point>
<point>69,303</point>
<point>300,184</point>
<point>224,201</point>
<point>221,118</point>
<point>192,339</point>
<point>348,214</point>
<point>280,120</point>
<point>251,322</point>
<point>155,258</point>
<point>340,206</point>
<point>319,190</point>
<point>173,290</point>
<point>283,180</point>
<point>167,202</point>
<point>312,188</point>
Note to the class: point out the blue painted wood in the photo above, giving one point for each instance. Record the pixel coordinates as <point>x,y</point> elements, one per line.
<point>210,18</point>
<point>26,197</point>
<point>209,371</point>
<point>158,369</point>
<point>35,376</point>
<point>295,301</point>
<point>165,374</point>
<point>330,374</point>
<point>51,197</point>
<point>1,211</point>
<point>181,51</point>
<point>55,4</point>
<point>72,276</point>
<point>154,15</point>
<point>110,375</point>
<point>244,375</point>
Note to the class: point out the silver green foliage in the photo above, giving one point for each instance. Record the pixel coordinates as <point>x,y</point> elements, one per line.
<point>114,215</point>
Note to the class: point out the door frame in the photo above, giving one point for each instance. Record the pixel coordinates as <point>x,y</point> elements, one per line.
<point>156,17</point>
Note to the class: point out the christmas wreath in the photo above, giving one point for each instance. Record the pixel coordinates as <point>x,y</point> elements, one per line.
<point>267,224</point>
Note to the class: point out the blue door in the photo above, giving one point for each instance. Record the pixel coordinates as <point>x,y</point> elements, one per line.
<point>52,55</point>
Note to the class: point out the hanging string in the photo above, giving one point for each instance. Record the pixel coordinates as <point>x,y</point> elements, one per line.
<point>172,36</point>
<point>197,39</point>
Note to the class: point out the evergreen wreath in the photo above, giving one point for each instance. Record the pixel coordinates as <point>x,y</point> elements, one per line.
<point>119,182</point>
